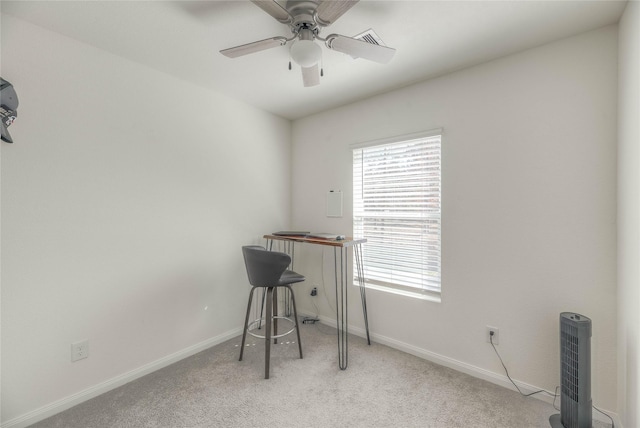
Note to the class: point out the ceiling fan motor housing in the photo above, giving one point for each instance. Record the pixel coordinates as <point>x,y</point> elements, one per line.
<point>303,12</point>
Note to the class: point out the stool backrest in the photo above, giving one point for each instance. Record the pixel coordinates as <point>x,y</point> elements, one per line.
<point>264,268</point>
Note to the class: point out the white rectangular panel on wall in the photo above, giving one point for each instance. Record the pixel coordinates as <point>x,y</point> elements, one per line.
<point>334,203</point>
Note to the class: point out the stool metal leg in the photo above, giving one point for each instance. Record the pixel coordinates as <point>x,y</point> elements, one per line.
<point>246,323</point>
<point>264,294</point>
<point>267,339</point>
<point>275,314</point>
<point>295,315</point>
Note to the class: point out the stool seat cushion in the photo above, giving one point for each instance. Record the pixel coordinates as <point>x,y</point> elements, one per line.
<point>290,277</point>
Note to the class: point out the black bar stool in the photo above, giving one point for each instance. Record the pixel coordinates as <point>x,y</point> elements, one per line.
<point>268,270</point>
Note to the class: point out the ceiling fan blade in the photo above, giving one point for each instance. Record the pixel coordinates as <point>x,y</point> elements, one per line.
<point>274,9</point>
<point>311,76</point>
<point>359,49</point>
<point>254,47</point>
<point>329,11</point>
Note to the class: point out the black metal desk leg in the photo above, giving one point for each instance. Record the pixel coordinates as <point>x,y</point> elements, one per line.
<point>341,307</point>
<point>363,295</point>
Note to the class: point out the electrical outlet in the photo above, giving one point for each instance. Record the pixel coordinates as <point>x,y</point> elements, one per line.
<point>314,291</point>
<point>496,335</point>
<point>79,350</point>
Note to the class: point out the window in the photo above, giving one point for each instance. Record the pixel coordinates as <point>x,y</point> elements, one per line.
<point>396,207</point>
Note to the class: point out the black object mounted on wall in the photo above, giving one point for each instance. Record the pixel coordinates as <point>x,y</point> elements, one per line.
<point>8,108</point>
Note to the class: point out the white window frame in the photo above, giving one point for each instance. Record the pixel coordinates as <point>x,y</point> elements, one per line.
<point>426,216</point>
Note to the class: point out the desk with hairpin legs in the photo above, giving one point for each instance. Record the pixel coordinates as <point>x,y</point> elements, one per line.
<point>341,280</point>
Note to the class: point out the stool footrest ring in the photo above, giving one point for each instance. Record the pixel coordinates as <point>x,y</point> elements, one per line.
<point>251,327</point>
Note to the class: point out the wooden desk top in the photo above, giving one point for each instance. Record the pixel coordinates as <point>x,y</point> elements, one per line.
<point>347,242</point>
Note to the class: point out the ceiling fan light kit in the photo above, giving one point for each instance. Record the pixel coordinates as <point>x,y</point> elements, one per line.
<point>306,18</point>
<point>304,51</point>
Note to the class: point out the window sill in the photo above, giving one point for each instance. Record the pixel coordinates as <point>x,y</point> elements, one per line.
<point>424,295</point>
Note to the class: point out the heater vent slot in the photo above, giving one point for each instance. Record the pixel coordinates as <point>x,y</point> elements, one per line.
<point>570,365</point>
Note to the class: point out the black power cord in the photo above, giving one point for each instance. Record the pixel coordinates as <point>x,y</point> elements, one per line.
<point>610,418</point>
<point>507,372</point>
<point>555,395</point>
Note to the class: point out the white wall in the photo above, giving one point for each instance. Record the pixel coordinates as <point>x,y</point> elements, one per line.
<point>124,204</point>
<point>529,208</point>
<point>629,216</point>
<point>125,199</point>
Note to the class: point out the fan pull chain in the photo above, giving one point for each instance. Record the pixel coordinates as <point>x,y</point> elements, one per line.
<point>289,65</point>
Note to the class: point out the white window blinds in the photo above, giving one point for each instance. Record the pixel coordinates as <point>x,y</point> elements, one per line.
<point>396,207</point>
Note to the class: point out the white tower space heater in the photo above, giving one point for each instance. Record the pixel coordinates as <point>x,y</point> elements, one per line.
<point>575,372</point>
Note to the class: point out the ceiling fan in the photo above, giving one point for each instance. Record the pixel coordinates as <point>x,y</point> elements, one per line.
<point>306,18</point>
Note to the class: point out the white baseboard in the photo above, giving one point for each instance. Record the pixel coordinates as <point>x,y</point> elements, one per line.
<point>75,399</point>
<point>84,395</point>
<point>463,367</point>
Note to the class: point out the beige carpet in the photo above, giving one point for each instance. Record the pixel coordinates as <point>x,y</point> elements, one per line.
<point>382,387</point>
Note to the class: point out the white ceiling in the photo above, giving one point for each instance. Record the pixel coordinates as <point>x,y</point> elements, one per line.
<point>182,38</point>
